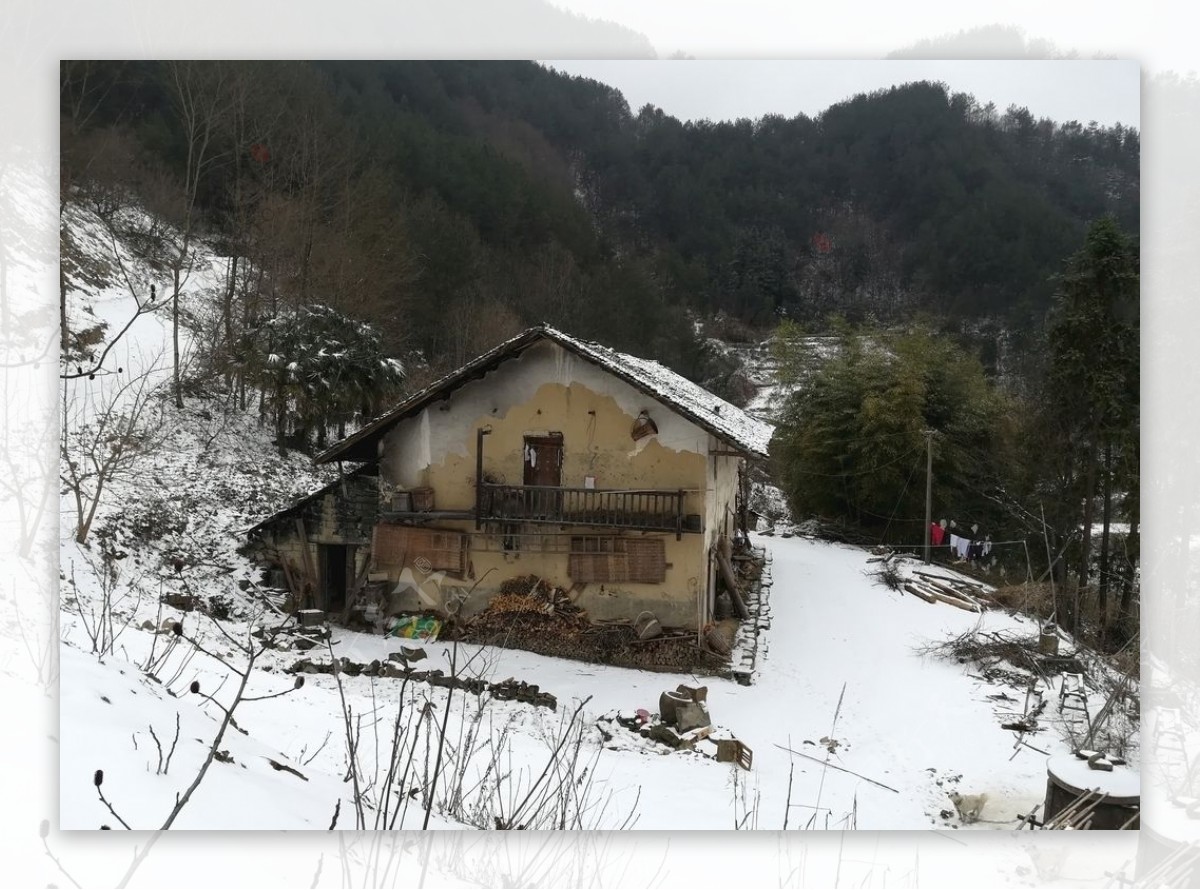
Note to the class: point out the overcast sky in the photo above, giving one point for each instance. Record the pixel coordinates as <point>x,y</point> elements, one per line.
<point>1103,91</point>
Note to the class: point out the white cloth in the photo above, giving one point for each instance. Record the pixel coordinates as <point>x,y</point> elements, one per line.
<point>959,546</point>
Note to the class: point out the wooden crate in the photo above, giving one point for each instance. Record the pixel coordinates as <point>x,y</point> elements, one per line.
<point>734,751</point>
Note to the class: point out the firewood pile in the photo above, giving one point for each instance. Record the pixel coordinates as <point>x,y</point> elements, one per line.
<point>531,614</point>
<point>529,594</point>
<point>528,603</point>
<point>931,587</point>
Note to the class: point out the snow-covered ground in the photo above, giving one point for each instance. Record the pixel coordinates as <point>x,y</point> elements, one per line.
<point>919,725</point>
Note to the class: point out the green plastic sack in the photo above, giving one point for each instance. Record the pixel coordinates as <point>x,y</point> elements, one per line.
<point>416,627</point>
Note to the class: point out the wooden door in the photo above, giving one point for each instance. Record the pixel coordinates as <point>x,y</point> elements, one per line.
<point>336,564</point>
<point>543,460</point>
<point>543,467</point>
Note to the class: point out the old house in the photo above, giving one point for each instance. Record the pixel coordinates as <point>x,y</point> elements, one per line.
<point>319,547</point>
<point>608,475</point>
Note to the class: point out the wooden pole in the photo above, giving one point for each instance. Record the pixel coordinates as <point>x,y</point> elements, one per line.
<point>310,568</point>
<point>739,605</point>
<point>928,490</point>
<point>479,434</point>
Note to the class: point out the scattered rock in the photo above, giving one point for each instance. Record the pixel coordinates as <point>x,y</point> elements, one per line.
<point>692,715</point>
<point>508,690</point>
<point>662,733</point>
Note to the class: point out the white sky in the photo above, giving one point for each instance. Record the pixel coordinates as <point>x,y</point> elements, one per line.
<point>1104,91</point>
<point>1154,33</point>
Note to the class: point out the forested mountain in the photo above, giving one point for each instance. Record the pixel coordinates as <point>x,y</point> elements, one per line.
<point>452,203</point>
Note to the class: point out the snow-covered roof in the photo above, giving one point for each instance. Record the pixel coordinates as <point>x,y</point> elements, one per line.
<point>305,500</point>
<point>723,420</point>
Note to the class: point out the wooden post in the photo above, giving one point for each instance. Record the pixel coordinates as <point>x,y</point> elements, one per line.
<point>739,605</point>
<point>309,566</point>
<point>479,434</point>
<point>928,491</point>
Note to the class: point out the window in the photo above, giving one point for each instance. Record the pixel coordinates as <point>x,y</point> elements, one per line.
<point>614,560</point>
<point>397,546</point>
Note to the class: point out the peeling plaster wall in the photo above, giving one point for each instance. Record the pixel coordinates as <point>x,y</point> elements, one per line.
<point>720,516</point>
<point>337,517</point>
<point>547,389</point>
<point>448,428</point>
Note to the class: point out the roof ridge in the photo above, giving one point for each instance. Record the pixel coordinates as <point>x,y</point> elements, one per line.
<point>687,398</point>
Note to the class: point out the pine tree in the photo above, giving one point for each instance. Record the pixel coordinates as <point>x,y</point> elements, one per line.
<point>1094,376</point>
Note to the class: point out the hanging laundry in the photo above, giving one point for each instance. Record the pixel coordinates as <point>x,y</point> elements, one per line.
<point>937,534</point>
<point>975,551</point>
<point>959,546</point>
<point>987,546</point>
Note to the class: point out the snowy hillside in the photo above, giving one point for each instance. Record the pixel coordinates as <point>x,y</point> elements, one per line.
<point>851,721</point>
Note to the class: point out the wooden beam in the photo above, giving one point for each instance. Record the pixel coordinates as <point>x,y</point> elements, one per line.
<point>921,592</point>
<point>952,600</point>
<point>952,591</point>
<point>309,566</point>
<point>739,605</point>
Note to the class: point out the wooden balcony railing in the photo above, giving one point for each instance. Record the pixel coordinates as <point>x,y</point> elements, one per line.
<point>645,509</point>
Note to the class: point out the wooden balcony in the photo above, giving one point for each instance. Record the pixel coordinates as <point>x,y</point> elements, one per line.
<point>642,509</point>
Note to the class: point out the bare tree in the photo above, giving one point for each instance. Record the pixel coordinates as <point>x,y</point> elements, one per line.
<point>249,650</point>
<point>84,86</point>
<point>106,618</point>
<point>201,102</point>
<point>105,432</point>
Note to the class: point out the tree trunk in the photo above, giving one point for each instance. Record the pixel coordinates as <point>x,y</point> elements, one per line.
<point>281,416</point>
<point>1102,585</point>
<point>1064,600</point>
<point>175,333</point>
<point>64,331</point>
<point>1089,488</point>
<point>1133,546</point>
<point>227,317</point>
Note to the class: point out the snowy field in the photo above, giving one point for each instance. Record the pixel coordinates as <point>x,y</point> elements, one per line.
<point>918,725</point>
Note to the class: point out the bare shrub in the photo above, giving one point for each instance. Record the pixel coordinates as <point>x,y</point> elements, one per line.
<point>1036,600</point>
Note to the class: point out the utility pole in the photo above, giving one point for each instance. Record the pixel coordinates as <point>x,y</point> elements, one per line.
<point>928,490</point>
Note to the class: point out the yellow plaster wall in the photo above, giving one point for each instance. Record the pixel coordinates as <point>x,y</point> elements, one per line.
<point>429,450</point>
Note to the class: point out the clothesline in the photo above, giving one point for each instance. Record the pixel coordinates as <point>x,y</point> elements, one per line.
<point>932,546</point>
<point>935,546</point>
<point>922,544</point>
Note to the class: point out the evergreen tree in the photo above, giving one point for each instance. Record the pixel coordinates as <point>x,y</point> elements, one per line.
<point>1094,377</point>
<point>317,369</point>
<point>852,442</point>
